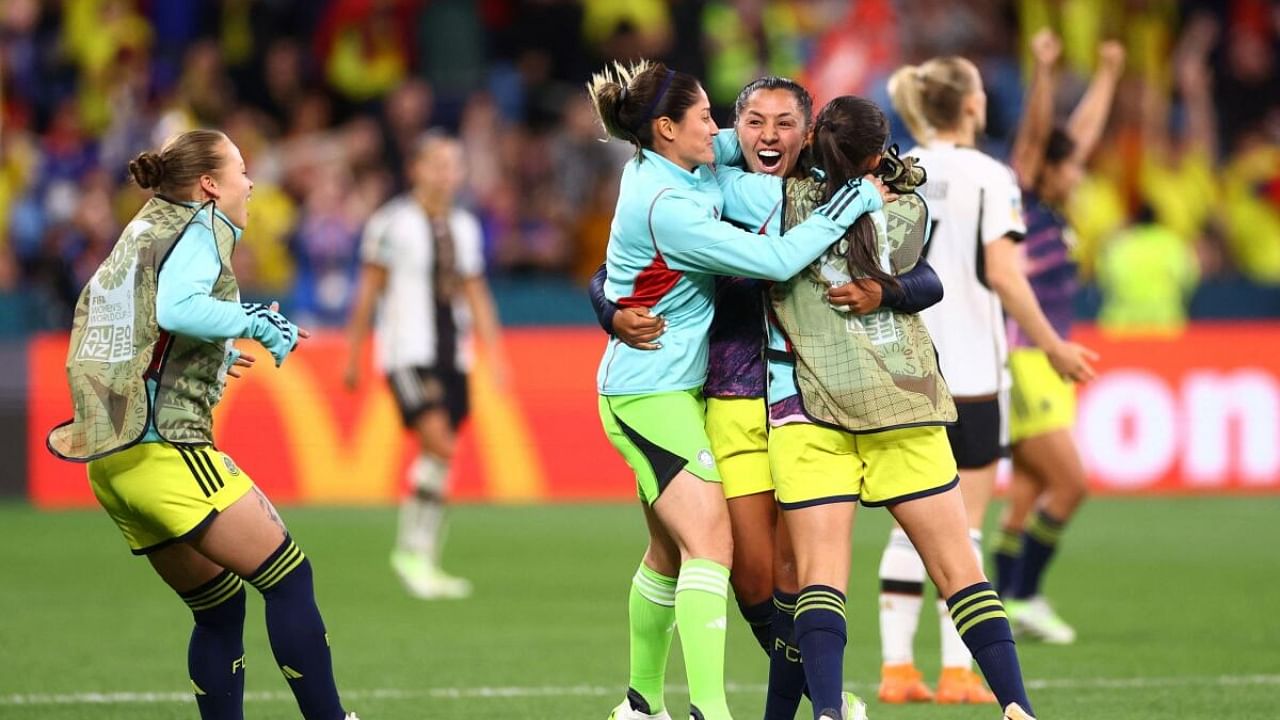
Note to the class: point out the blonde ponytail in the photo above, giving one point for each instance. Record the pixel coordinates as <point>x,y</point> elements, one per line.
<point>930,97</point>
<point>906,95</point>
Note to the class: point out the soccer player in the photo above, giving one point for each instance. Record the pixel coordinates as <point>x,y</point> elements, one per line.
<point>151,349</point>
<point>665,245</point>
<point>422,261</point>
<point>772,119</point>
<point>977,215</point>
<point>856,408</point>
<point>1048,475</point>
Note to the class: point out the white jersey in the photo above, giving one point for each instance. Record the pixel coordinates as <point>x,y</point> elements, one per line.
<point>973,200</point>
<point>398,238</point>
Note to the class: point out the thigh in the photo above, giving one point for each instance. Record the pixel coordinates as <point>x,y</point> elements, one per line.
<point>814,465</point>
<point>159,494</point>
<point>752,519</point>
<point>977,485</point>
<point>905,464</point>
<point>435,433</point>
<point>939,530</point>
<point>738,431</point>
<point>243,536</point>
<point>660,435</point>
<point>820,538</point>
<point>1041,401</point>
<point>457,395</point>
<point>694,514</point>
<point>182,567</point>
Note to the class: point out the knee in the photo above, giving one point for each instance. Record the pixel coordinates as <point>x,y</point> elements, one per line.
<point>286,570</point>
<point>662,559</point>
<point>221,604</point>
<point>752,579</point>
<point>714,546</point>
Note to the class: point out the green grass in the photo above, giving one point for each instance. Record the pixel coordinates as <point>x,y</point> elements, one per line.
<point>1177,603</point>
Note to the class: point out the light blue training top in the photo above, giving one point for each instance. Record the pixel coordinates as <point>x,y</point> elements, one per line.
<point>184,303</point>
<point>666,242</point>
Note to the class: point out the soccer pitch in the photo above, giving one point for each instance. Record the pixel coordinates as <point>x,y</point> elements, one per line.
<point>1177,602</point>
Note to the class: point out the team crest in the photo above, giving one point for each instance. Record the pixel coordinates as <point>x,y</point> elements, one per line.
<point>231,464</point>
<point>704,457</point>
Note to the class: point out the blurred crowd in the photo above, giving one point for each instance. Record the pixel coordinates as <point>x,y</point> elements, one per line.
<point>325,97</point>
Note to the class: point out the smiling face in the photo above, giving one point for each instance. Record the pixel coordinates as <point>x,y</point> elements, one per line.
<point>688,142</point>
<point>229,185</point>
<point>771,130</point>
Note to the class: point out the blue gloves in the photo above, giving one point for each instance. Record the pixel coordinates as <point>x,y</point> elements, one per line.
<point>850,201</point>
<point>271,329</point>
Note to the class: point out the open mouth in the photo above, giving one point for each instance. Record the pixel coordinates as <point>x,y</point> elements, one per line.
<point>770,160</point>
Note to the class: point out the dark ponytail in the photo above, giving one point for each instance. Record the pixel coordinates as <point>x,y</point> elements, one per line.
<point>848,135</point>
<point>627,99</point>
<point>180,163</point>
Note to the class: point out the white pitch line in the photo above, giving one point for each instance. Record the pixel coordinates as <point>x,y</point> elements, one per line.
<point>147,698</point>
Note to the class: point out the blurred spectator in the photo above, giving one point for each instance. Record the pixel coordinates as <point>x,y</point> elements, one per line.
<point>745,39</point>
<point>364,47</point>
<point>1146,274</point>
<point>325,99</point>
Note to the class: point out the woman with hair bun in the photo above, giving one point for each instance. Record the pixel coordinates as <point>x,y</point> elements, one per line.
<point>151,349</point>
<point>666,244</point>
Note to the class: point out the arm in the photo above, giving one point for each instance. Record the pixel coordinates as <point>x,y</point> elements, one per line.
<point>1090,117</point>
<point>1005,276</point>
<point>484,314</point>
<point>728,150</point>
<point>634,326</point>
<point>605,310</point>
<point>1195,82</point>
<point>690,239</point>
<point>1037,119</point>
<point>184,305</point>
<point>919,288</point>
<point>373,279</point>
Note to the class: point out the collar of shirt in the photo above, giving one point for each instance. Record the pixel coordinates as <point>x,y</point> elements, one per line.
<point>667,169</point>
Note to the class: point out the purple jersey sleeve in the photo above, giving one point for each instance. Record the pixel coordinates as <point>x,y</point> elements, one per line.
<point>1049,268</point>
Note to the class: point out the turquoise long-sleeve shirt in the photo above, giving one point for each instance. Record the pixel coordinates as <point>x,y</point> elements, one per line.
<point>667,241</point>
<point>184,303</point>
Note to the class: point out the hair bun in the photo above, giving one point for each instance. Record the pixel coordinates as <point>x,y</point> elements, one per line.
<point>147,170</point>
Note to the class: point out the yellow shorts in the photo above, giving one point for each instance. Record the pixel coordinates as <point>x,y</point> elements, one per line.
<point>739,433</point>
<point>814,464</point>
<point>158,493</point>
<point>1040,400</point>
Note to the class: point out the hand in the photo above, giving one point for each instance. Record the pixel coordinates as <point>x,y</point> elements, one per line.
<point>887,195</point>
<point>1046,48</point>
<point>241,360</point>
<point>860,296</point>
<point>1111,57</point>
<point>273,330</point>
<point>637,328</point>
<point>1072,361</point>
<point>351,376</point>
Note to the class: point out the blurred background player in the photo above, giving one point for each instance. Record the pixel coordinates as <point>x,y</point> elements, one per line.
<point>1048,475</point>
<point>976,212</point>
<point>423,270</point>
<point>151,350</point>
